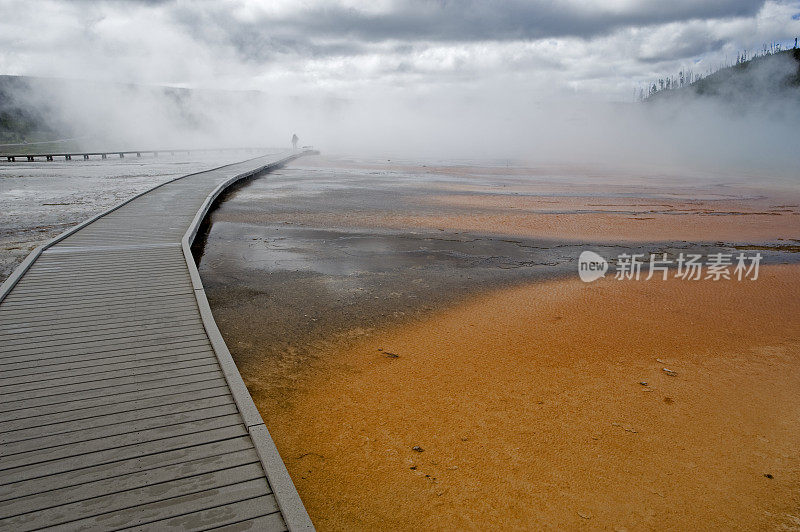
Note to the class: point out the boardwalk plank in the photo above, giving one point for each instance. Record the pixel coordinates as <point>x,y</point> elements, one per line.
<point>166,335</point>
<point>111,457</point>
<point>43,423</point>
<point>130,293</point>
<point>105,433</point>
<point>210,377</point>
<point>87,287</point>
<point>103,400</point>
<point>97,324</point>
<point>110,487</point>
<point>193,510</point>
<point>123,444</point>
<point>120,308</point>
<point>116,417</point>
<point>103,358</point>
<point>70,337</point>
<point>149,502</point>
<point>111,386</point>
<point>45,374</point>
<point>223,515</point>
<point>273,521</point>
<point>121,406</point>
<point>137,373</point>
<point>153,465</point>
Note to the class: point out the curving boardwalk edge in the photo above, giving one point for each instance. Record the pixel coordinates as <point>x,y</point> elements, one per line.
<point>30,309</point>
<point>294,513</point>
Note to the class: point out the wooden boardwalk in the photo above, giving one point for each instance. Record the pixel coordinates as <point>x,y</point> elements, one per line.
<point>86,155</point>
<point>120,405</point>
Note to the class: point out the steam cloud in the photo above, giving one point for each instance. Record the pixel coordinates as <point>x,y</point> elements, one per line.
<point>425,83</point>
<point>751,124</point>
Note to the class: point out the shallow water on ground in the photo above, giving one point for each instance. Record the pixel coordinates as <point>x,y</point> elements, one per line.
<point>39,200</point>
<point>318,249</point>
<point>363,303</point>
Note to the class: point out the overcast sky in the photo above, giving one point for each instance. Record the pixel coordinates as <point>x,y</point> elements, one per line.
<point>348,48</point>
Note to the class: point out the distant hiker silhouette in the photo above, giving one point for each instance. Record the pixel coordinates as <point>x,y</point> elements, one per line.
<point>294,141</point>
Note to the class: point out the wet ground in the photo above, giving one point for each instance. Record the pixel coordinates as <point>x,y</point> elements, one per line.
<point>366,291</point>
<point>312,253</point>
<point>412,376</point>
<point>42,199</point>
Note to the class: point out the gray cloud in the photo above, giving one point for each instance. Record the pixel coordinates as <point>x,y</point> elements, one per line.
<point>473,20</point>
<point>335,30</point>
<point>563,46</point>
<point>688,46</point>
<point>448,21</point>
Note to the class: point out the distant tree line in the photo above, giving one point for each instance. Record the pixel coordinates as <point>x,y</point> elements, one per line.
<point>688,76</point>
